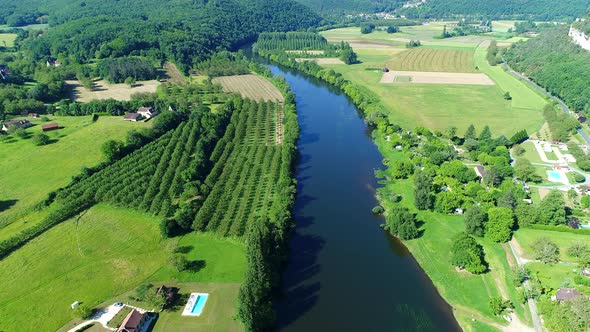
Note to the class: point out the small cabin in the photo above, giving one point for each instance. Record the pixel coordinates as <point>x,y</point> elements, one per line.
<point>50,126</point>
<point>132,117</point>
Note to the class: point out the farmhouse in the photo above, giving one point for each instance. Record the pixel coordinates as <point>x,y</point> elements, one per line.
<point>50,126</point>
<point>132,117</point>
<point>133,322</point>
<point>566,294</point>
<point>51,62</point>
<point>147,112</point>
<point>23,123</point>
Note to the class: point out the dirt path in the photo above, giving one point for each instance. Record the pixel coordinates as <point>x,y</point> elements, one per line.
<point>518,249</point>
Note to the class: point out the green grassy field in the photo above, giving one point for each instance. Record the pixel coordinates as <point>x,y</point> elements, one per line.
<point>526,237</point>
<point>107,252</point>
<point>531,152</point>
<point>439,106</point>
<point>468,294</point>
<point>217,314</point>
<point>430,59</point>
<point>29,172</point>
<point>7,39</point>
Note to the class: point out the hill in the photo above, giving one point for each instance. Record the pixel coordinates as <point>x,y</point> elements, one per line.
<point>185,32</point>
<point>557,64</point>
<point>352,6</point>
<point>543,10</point>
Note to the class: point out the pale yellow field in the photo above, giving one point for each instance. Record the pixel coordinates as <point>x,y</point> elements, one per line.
<point>250,86</point>
<point>104,90</point>
<point>322,61</point>
<point>437,78</point>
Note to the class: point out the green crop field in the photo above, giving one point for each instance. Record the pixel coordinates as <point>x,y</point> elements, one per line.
<point>29,172</point>
<point>7,39</point>
<point>429,59</point>
<point>106,252</point>
<point>439,106</point>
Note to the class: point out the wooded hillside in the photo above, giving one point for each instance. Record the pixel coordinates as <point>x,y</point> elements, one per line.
<point>556,63</point>
<point>518,9</point>
<point>181,31</point>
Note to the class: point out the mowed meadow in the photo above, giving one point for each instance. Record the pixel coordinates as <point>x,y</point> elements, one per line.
<point>439,106</point>
<point>28,172</point>
<point>103,252</point>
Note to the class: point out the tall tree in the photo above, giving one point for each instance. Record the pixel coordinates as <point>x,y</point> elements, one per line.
<point>423,196</point>
<point>486,134</point>
<point>475,220</point>
<point>552,209</point>
<point>467,254</point>
<point>499,224</point>
<point>470,133</point>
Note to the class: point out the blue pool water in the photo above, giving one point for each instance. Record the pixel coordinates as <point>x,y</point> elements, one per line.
<point>199,304</point>
<point>555,176</point>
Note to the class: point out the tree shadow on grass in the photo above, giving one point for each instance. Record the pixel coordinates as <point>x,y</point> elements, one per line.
<point>197,265</point>
<point>184,249</point>
<point>5,205</point>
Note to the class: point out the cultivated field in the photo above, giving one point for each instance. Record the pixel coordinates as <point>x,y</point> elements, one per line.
<point>250,86</point>
<point>106,252</point>
<point>104,90</point>
<point>435,78</point>
<point>310,52</point>
<point>28,172</point>
<point>438,106</point>
<point>174,75</point>
<point>431,59</point>
<point>322,61</point>
<point>7,39</point>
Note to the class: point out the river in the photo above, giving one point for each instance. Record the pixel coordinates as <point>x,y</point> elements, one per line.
<point>345,273</point>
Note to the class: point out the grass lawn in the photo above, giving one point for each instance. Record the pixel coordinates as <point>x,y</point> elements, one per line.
<point>439,106</point>
<point>217,314</point>
<point>526,237</point>
<point>531,152</point>
<point>107,252</point>
<point>468,294</point>
<point>551,155</point>
<point>29,172</point>
<point>7,39</point>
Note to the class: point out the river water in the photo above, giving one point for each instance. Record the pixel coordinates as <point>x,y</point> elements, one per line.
<point>345,273</point>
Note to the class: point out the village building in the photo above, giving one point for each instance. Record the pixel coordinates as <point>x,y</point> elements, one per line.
<point>134,322</point>
<point>50,126</point>
<point>566,294</point>
<point>33,115</point>
<point>51,62</point>
<point>147,112</point>
<point>22,123</point>
<point>132,117</point>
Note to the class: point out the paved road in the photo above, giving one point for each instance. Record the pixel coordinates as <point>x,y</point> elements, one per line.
<point>544,92</point>
<point>531,302</point>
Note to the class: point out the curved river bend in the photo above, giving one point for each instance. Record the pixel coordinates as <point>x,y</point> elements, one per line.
<point>345,273</point>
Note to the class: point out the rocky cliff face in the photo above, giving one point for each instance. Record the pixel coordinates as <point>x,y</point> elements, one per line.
<point>580,38</point>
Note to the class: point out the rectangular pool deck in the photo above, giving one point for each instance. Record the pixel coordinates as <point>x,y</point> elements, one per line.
<point>195,304</point>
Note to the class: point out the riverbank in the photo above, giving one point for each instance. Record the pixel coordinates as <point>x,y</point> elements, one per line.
<point>467,294</point>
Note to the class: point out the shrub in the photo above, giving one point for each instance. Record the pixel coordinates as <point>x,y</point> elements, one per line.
<point>468,254</point>
<point>40,139</point>
<point>497,305</point>
<point>378,210</point>
<point>545,250</point>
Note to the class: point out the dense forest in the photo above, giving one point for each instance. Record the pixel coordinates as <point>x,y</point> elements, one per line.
<point>331,7</point>
<point>556,63</point>
<point>543,10</point>
<point>181,31</point>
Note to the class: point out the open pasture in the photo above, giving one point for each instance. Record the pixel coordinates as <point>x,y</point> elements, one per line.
<point>28,172</point>
<point>102,253</point>
<point>104,90</point>
<point>435,78</point>
<point>7,39</point>
<point>433,60</point>
<point>250,86</point>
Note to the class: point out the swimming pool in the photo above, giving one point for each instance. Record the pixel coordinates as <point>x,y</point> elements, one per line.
<point>555,176</point>
<point>195,304</point>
